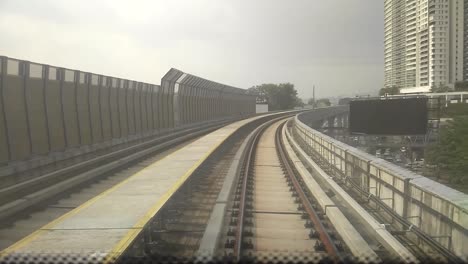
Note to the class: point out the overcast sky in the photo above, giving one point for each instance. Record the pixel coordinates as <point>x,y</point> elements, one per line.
<point>335,44</point>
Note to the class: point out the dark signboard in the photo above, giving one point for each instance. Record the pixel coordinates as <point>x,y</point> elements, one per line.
<point>405,116</point>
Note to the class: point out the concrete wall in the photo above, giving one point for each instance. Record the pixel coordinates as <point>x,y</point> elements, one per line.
<point>437,210</point>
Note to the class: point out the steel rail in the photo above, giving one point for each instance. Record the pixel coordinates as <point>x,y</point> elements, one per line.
<point>249,158</point>
<point>330,246</point>
<point>247,162</point>
<point>327,241</point>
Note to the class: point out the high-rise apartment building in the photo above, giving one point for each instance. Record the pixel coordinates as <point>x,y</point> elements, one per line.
<point>395,42</point>
<point>424,43</point>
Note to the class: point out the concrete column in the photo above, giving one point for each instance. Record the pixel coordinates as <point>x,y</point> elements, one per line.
<point>324,123</point>
<point>331,122</point>
<point>343,121</point>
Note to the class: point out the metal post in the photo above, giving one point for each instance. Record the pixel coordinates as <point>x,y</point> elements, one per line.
<point>313,97</point>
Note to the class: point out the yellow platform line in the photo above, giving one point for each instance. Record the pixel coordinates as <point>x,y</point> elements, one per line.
<point>125,242</point>
<point>132,233</point>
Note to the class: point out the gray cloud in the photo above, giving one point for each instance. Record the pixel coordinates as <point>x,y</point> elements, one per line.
<point>335,44</point>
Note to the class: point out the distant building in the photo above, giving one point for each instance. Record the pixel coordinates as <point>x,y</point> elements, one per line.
<point>418,89</point>
<point>446,97</point>
<point>424,43</point>
<point>261,104</point>
<point>261,108</point>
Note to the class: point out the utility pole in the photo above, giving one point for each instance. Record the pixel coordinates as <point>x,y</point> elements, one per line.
<point>313,97</point>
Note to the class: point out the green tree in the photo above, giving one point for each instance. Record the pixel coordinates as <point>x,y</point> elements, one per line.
<point>440,89</point>
<point>323,102</point>
<point>281,96</point>
<point>319,103</point>
<point>299,102</point>
<point>344,101</point>
<point>454,110</point>
<point>461,86</point>
<point>451,152</point>
<point>389,90</point>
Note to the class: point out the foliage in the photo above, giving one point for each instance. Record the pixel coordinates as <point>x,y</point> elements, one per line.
<point>261,96</point>
<point>389,90</point>
<point>344,101</point>
<point>299,102</point>
<point>319,103</point>
<point>281,96</point>
<point>440,89</point>
<point>451,152</point>
<point>323,102</point>
<point>454,110</point>
<point>461,86</point>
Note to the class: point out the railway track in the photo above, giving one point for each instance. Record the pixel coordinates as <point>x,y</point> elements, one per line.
<point>272,214</point>
<point>271,210</point>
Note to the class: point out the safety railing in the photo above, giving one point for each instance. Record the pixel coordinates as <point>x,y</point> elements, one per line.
<point>433,214</point>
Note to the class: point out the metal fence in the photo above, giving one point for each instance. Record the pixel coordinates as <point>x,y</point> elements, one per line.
<point>47,109</point>
<point>196,99</point>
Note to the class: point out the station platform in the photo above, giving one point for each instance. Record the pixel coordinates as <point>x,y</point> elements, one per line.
<point>106,225</point>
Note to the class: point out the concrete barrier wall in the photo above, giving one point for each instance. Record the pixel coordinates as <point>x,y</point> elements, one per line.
<point>54,110</point>
<point>114,107</point>
<point>437,210</point>
<point>149,107</point>
<point>47,110</point>
<point>130,87</point>
<point>155,107</point>
<point>70,111</point>
<point>14,104</point>
<point>104,102</point>
<point>137,107</point>
<point>94,109</point>
<point>4,147</point>
<point>35,102</point>
<point>123,115</point>
<point>82,102</point>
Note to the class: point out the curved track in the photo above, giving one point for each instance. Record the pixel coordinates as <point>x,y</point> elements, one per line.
<point>272,214</point>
